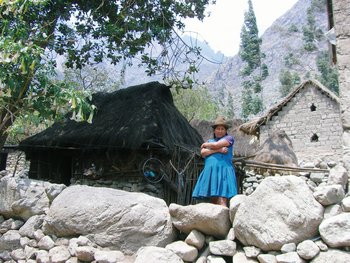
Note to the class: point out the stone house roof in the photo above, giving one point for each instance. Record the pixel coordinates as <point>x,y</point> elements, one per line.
<point>252,127</point>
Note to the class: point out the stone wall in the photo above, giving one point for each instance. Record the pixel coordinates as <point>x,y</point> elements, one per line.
<point>312,122</point>
<point>341,12</point>
<point>16,162</point>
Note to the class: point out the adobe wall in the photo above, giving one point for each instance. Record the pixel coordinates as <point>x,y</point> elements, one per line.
<point>312,122</point>
<point>341,12</point>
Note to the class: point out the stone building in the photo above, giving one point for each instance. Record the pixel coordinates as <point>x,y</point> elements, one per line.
<point>339,16</point>
<point>310,116</point>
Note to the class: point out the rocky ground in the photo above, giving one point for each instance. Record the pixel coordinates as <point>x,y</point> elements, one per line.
<point>280,218</point>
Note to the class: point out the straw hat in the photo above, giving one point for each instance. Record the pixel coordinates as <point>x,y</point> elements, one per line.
<point>221,120</point>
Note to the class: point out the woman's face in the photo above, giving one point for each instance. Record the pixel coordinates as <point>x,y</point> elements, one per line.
<point>220,131</point>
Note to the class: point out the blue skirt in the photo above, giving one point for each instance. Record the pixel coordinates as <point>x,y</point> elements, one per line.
<point>218,179</point>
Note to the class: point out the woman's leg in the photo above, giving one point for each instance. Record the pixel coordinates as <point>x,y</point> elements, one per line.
<point>219,200</point>
<point>222,201</point>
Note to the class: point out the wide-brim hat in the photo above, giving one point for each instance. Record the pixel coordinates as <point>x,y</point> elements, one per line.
<point>221,120</point>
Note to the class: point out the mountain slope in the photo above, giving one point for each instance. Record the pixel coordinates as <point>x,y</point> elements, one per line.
<point>284,37</point>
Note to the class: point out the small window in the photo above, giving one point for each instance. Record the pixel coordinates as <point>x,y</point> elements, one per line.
<point>314,138</point>
<point>313,107</point>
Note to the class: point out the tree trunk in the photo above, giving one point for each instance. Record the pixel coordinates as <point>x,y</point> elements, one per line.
<point>3,131</point>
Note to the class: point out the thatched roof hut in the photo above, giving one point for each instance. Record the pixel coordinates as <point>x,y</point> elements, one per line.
<point>138,117</point>
<point>130,126</point>
<point>252,127</point>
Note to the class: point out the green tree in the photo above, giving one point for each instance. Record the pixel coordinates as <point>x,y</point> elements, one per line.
<point>288,81</point>
<point>311,33</point>
<point>230,113</point>
<point>85,32</point>
<point>251,104</point>
<point>254,71</point>
<point>329,74</point>
<point>195,104</point>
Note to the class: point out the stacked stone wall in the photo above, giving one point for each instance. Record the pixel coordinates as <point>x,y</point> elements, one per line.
<point>341,12</point>
<point>312,121</point>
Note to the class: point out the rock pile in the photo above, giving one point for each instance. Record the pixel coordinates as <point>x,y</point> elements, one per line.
<point>284,220</point>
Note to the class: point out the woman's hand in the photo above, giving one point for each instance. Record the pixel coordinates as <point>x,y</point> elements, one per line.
<point>205,145</point>
<point>223,150</point>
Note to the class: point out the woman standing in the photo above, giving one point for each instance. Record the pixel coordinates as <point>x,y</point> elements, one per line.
<point>217,181</point>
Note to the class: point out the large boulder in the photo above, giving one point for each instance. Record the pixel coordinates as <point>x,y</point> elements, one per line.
<point>207,218</point>
<point>111,218</point>
<point>23,198</point>
<point>281,210</point>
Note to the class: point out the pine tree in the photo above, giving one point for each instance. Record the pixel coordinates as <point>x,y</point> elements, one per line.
<point>329,74</point>
<point>254,71</point>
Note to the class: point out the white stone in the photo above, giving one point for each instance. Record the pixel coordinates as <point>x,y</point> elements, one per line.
<point>22,198</point>
<point>30,252</point>
<point>231,234</point>
<point>31,225</point>
<point>183,250</point>
<point>251,252</point>
<point>223,247</point>
<point>267,258</point>
<point>240,257</point>
<point>215,259</point>
<point>208,218</point>
<point>59,254</point>
<point>291,257</point>
<point>335,231</point>
<point>46,243</point>
<point>332,210</point>
<point>332,255</point>
<point>85,253</point>
<point>330,194</point>
<point>11,240</point>
<point>102,256</point>
<point>54,190</point>
<point>317,177</point>
<point>72,246</point>
<point>321,245</point>
<point>42,256</point>
<point>338,175</point>
<point>18,254</point>
<point>346,204</point>
<point>307,249</point>
<point>156,254</point>
<point>72,260</point>
<point>38,234</point>
<point>196,239</point>
<point>290,247</point>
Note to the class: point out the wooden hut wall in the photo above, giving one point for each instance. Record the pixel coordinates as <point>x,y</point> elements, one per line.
<point>52,167</point>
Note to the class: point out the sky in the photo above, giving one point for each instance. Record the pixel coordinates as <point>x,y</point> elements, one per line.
<point>223,27</point>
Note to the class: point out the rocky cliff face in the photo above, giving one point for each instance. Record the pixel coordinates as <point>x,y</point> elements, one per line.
<point>285,36</point>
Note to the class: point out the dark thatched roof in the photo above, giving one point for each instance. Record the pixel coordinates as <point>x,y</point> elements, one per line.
<point>138,117</point>
<point>252,127</point>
